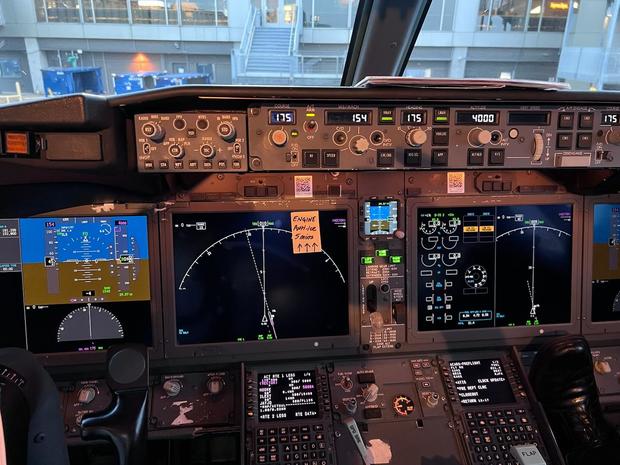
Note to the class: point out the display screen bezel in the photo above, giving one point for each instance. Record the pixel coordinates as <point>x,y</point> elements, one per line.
<point>511,334</point>
<point>590,327</point>
<point>156,350</point>
<point>255,350</point>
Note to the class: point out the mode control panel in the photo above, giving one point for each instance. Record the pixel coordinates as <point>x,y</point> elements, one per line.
<point>191,142</point>
<point>358,137</point>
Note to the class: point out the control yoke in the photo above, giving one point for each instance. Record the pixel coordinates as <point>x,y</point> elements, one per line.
<point>124,421</point>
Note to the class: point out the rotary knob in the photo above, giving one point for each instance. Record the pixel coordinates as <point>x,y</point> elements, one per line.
<point>176,151</point>
<point>207,151</point>
<point>215,384</point>
<point>279,137</point>
<point>172,387</point>
<point>87,395</point>
<point>416,137</point>
<point>370,392</point>
<point>478,137</point>
<point>153,131</point>
<point>613,137</point>
<point>227,131</point>
<point>602,367</point>
<point>359,145</point>
<point>346,383</point>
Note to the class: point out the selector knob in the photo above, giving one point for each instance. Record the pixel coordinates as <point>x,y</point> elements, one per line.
<point>371,392</point>
<point>172,387</point>
<point>153,131</point>
<point>346,383</point>
<point>416,137</point>
<point>207,151</point>
<point>613,137</point>
<point>176,151</point>
<point>279,137</point>
<point>86,395</point>
<point>359,145</point>
<point>479,137</point>
<point>215,384</point>
<point>227,131</point>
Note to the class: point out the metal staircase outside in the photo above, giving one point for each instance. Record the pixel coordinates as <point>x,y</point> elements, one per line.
<point>270,53</point>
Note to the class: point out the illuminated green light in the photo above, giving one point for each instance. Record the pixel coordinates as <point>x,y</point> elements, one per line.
<point>310,115</point>
<point>441,118</point>
<point>382,252</point>
<point>387,118</point>
<point>367,260</point>
<point>294,133</point>
<point>396,259</point>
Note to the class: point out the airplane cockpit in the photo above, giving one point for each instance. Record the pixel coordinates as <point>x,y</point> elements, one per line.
<point>337,232</point>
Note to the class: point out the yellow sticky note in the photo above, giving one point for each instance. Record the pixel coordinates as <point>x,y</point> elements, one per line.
<point>306,232</point>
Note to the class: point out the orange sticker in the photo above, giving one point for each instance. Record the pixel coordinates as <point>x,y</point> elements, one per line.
<point>306,232</point>
<point>17,143</point>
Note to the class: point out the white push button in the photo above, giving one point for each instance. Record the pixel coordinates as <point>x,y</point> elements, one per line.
<point>527,454</point>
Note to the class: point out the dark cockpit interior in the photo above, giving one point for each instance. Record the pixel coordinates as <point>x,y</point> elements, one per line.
<point>406,271</point>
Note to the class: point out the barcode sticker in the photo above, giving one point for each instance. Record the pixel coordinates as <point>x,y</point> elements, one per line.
<point>456,182</point>
<point>303,186</point>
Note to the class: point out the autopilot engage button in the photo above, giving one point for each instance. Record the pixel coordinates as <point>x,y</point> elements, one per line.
<point>586,120</point>
<point>310,158</point>
<point>441,136</point>
<point>385,158</point>
<point>475,157</point>
<point>413,157</point>
<point>565,140</point>
<point>439,157</point>
<point>331,158</point>
<point>496,156</point>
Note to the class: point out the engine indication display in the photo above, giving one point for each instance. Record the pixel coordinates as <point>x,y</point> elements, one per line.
<point>481,382</point>
<point>606,263</point>
<point>483,267</point>
<point>287,396</point>
<point>239,278</point>
<point>380,217</point>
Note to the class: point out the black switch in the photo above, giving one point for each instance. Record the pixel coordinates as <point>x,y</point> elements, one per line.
<point>372,412</point>
<point>496,156</point>
<point>439,157</point>
<point>163,164</point>
<point>475,157</point>
<point>272,191</point>
<point>441,136</point>
<point>385,158</point>
<point>566,120</point>
<point>261,191</point>
<point>565,140</point>
<point>365,378</point>
<point>249,191</point>
<point>310,158</point>
<point>331,158</point>
<point>586,120</point>
<point>413,157</point>
<point>584,140</point>
<point>487,186</point>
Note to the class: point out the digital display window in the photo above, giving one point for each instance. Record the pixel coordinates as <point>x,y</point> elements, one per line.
<point>494,266</point>
<point>76,283</point>
<point>606,263</point>
<point>287,396</point>
<point>481,382</point>
<point>246,276</point>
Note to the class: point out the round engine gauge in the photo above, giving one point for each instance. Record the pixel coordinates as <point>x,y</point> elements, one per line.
<point>475,276</point>
<point>403,405</point>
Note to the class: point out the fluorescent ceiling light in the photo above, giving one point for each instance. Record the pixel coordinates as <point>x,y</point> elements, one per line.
<point>151,3</point>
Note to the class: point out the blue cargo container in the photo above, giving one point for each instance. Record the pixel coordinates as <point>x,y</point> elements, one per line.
<point>62,81</point>
<point>167,80</point>
<point>133,82</point>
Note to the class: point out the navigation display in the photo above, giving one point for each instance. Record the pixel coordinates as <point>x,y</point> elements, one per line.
<point>481,382</point>
<point>606,263</point>
<point>260,276</point>
<point>380,217</point>
<point>494,266</point>
<point>287,396</point>
<point>76,283</point>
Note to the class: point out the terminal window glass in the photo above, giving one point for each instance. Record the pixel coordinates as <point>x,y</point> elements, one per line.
<point>198,12</point>
<point>106,11</point>
<point>65,11</point>
<point>148,12</point>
